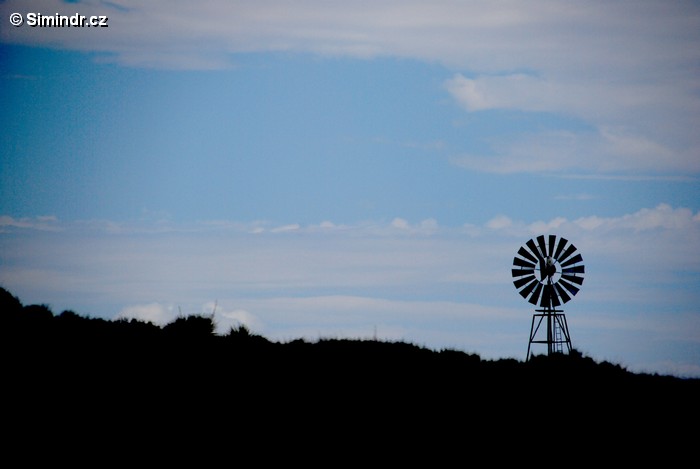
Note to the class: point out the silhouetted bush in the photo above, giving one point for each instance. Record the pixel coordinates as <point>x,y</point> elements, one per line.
<point>241,336</point>
<point>191,328</point>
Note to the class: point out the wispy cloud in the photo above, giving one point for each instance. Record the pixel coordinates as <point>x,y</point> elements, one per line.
<point>608,153</point>
<point>479,35</point>
<point>42,223</point>
<point>662,216</point>
<point>285,228</point>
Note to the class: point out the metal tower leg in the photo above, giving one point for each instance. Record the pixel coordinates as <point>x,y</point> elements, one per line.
<point>557,333</point>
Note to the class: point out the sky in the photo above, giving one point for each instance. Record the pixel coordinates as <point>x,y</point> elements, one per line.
<point>366,169</point>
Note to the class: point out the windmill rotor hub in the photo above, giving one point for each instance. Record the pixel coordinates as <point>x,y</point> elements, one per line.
<point>549,269</point>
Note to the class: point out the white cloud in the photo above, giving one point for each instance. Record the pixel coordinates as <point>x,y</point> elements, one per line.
<point>429,225</point>
<point>631,123</point>
<point>226,318</point>
<point>499,222</point>
<point>399,223</point>
<point>155,313</point>
<point>547,227</point>
<point>285,228</point>
<point>517,91</point>
<point>595,154</point>
<point>590,223</point>
<point>663,216</point>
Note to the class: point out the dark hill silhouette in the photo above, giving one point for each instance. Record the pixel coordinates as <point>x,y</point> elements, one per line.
<point>106,374</point>
<point>40,335</point>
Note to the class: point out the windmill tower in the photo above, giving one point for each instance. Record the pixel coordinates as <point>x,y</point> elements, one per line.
<point>548,273</point>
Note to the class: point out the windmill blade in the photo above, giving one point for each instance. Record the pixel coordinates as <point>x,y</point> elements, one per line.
<point>555,301</point>
<point>535,251</point>
<point>572,278</point>
<point>562,293</point>
<point>573,260</point>
<point>540,242</point>
<point>536,294</point>
<point>577,269</point>
<point>525,292</point>
<point>544,299</point>
<point>522,281</point>
<point>560,246</point>
<point>572,289</point>
<point>523,263</point>
<point>552,240</point>
<point>521,272</point>
<point>569,251</point>
<point>523,252</point>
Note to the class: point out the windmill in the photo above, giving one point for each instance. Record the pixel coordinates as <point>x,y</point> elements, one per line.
<point>548,273</point>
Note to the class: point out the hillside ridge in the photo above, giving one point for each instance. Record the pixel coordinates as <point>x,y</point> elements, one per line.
<point>35,328</point>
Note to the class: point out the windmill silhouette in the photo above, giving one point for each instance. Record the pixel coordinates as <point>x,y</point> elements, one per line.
<point>548,273</point>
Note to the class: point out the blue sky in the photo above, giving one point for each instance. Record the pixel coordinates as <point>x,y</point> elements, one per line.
<point>352,169</point>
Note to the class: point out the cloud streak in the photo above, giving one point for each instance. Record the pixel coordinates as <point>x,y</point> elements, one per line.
<point>605,153</point>
<point>43,223</point>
